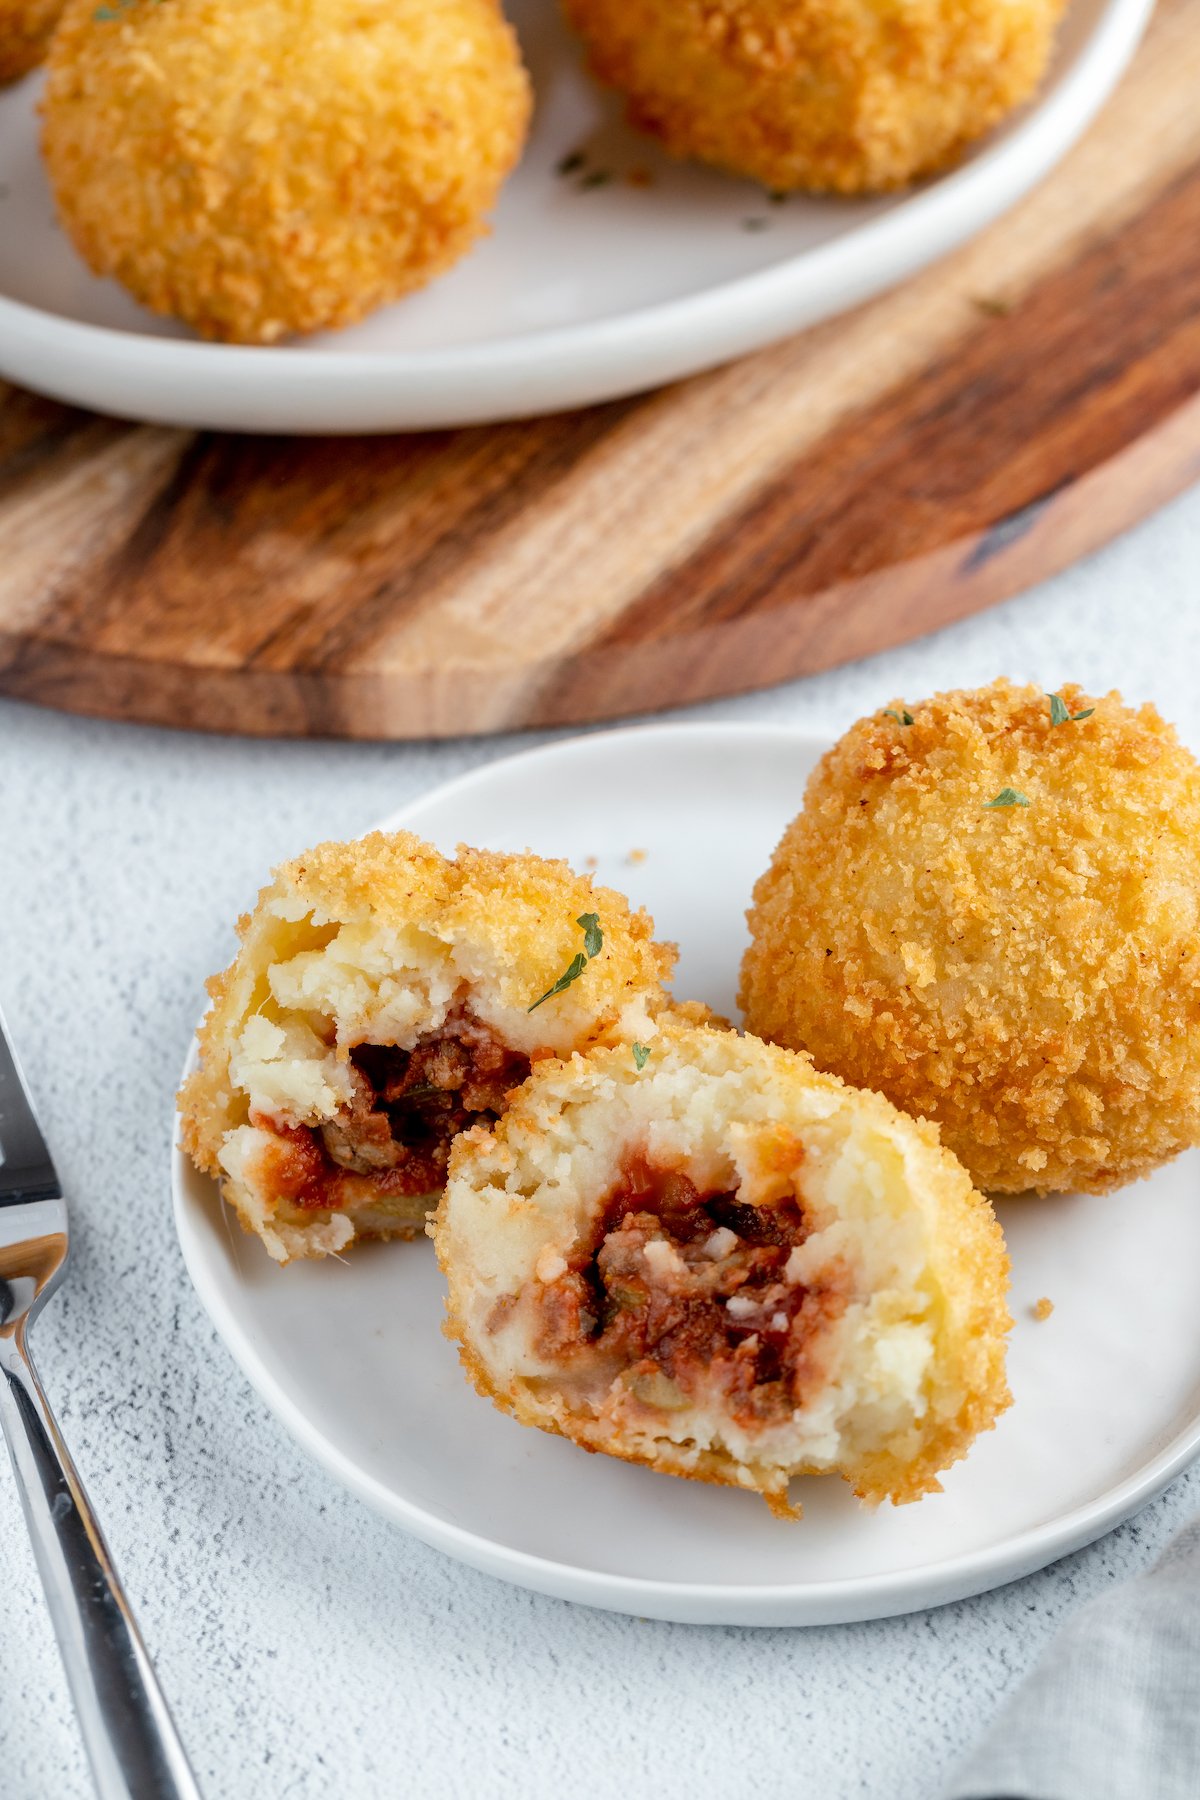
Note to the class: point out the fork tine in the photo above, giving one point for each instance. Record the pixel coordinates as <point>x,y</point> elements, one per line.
<point>26,1170</point>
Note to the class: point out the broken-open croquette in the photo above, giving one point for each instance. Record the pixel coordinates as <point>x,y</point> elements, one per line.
<point>1026,975</point>
<point>729,1267</point>
<point>279,167</point>
<point>380,1002</point>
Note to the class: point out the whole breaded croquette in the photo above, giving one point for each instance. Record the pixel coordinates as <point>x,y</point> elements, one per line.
<point>713,1260</point>
<point>994,919</point>
<point>845,96</point>
<point>25,28</point>
<point>287,166</point>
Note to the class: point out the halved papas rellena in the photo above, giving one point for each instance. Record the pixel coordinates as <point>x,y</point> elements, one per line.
<point>384,998</point>
<point>727,1266</point>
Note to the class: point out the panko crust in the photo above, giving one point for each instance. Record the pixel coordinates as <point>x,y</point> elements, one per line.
<point>25,31</point>
<point>1028,977</point>
<point>967,1270</point>
<point>283,167</point>
<point>830,95</point>
<point>522,910</point>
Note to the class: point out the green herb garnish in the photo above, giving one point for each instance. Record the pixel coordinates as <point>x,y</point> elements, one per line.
<point>641,1053</point>
<point>993,306</point>
<point>1006,797</point>
<point>1061,714</point>
<point>901,718</point>
<point>597,178</point>
<point>593,937</point>
<point>571,163</point>
<point>593,943</point>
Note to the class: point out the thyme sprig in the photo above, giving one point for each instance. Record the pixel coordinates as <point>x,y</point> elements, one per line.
<point>1061,714</point>
<point>593,943</point>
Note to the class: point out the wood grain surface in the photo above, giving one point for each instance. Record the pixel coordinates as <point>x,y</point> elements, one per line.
<point>940,448</point>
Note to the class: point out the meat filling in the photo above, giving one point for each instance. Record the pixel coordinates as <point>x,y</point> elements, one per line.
<point>407,1107</point>
<point>685,1294</point>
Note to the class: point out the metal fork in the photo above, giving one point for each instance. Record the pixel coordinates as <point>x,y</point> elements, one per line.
<point>127,1731</point>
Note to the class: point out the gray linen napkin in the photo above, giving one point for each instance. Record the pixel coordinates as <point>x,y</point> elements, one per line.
<point>1112,1710</point>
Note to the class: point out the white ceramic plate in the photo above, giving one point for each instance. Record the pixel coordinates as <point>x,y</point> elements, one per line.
<point>350,1357</point>
<point>579,295</point>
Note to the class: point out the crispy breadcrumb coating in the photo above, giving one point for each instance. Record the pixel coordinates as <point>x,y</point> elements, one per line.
<point>728,1267</point>
<point>25,28</point>
<point>279,167</point>
<point>1026,976</point>
<point>382,999</point>
<point>841,95</point>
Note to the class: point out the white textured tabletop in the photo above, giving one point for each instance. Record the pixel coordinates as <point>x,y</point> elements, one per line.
<point>308,1647</point>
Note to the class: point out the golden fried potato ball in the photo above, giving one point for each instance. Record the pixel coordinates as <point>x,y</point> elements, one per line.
<point>708,1258</point>
<point>994,919</point>
<point>842,95</point>
<point>284,166</point>
<point>25,28</point>
<point>385,997</point>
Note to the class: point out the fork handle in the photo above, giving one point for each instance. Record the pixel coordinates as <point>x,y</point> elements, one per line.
<point>130,1740</point>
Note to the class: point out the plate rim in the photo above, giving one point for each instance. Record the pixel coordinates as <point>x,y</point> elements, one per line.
<point>806,1603</point>
<point>731,317</point>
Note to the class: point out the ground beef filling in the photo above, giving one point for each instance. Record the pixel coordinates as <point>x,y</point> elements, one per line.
<point>684,1294</point>
<point>407,1107</point>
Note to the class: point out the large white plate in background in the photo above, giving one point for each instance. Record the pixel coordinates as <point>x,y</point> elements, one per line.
<point>577,296</point>
<point>351,1359</point>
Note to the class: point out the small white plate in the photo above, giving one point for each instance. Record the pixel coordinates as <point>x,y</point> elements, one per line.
<point>580,294</point>
<point>350,1357</point>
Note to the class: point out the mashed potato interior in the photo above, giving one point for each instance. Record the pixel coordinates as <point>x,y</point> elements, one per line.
<point>368,1053</point>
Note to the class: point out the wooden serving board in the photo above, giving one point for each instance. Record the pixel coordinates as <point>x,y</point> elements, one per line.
<point>872,479</point>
